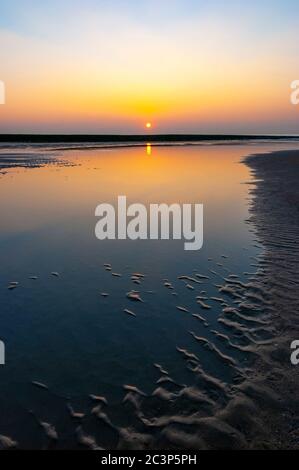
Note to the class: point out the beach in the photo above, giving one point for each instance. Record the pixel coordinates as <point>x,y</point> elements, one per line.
<point>139,344</point>
<point>275,215</point>
<point>149,259</point>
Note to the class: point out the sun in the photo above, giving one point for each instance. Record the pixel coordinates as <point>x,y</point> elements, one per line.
<point>148,125</point>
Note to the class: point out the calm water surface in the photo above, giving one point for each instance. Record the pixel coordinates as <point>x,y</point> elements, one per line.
<point>60,330</point>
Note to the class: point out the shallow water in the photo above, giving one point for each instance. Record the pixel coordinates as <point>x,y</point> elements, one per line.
<point>61,331</point>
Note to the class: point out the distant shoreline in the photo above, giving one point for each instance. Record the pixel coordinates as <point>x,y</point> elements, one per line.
<point>142,138</point>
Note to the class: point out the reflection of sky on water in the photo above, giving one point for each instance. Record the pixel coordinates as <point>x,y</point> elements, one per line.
<point>60,330</point>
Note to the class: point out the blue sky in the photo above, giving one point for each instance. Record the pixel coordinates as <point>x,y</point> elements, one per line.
<point>262,15</point>
<point>153,59</point>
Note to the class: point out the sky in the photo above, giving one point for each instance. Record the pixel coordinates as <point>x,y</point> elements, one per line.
<point>186,66</point>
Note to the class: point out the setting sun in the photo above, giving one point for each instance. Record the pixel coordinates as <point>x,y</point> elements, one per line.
<point>148,125</point>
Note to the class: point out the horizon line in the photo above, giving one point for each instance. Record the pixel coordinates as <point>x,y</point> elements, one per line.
<point>34,137</point>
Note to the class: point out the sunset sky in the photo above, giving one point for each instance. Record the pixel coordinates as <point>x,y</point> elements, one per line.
<point>111,66</point>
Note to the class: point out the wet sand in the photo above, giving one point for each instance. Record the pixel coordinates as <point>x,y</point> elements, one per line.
<point>21,159</point>
<point>256,407</point>
<point>260,409</point>
<point>275,216</point>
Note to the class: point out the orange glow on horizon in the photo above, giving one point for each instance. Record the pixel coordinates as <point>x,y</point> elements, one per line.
<point>110,72</point>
